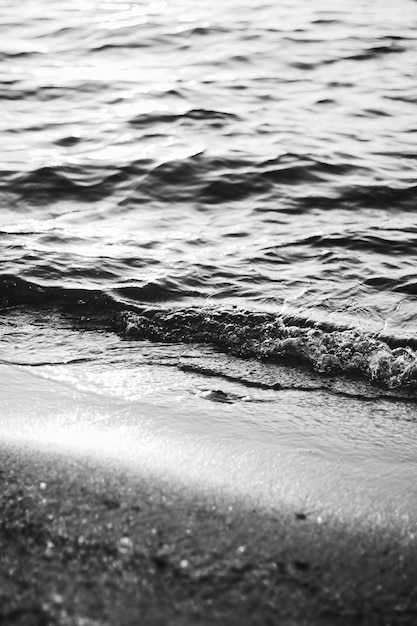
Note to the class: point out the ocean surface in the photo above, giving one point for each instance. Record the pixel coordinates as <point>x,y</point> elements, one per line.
<point>214,205</point>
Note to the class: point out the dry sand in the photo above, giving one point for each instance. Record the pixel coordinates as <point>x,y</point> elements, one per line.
<point>85,545</point>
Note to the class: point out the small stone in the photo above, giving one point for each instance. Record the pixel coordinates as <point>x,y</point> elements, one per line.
<point>111,503</point>
<point>57,598</point>
<point>300,516</point>
<point>49,550</point>
<point>125,541</point>
<point>125,544</point>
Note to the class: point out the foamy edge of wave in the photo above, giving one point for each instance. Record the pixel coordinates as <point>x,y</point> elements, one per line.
<point>272,337</point>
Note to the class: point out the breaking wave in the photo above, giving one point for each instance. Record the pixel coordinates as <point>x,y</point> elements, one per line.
<point>271,337</point>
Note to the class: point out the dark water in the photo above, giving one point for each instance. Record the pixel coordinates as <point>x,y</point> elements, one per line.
<point>235,174</point>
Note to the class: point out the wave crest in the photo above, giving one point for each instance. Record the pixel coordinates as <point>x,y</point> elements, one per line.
<point>272,337</point>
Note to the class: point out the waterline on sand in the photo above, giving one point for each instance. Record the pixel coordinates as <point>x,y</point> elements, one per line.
<point>196,443</point>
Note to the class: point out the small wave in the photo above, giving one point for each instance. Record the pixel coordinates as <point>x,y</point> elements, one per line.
<point>382,197</point>
<point>45,93</point>
<point>152,291</point>
<point>371,53</point>
<point>377,196</point>
<point>375,52</point>
<point>208,180</point>
<point>15,290</point>
<point>213,179</point>
<point>363,241</point>
<point>68,141</point>
<point>18,54</point>
<point>46,184</point>
<point>200,115</point>
<point>401,284</point>
<point>271,337</point>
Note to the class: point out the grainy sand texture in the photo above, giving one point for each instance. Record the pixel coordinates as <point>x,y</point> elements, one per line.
<point>85,545</point>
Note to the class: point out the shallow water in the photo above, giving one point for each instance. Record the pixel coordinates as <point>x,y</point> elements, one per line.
<point>224,191</point>
<point>212,421</point>
<point>293,452</point>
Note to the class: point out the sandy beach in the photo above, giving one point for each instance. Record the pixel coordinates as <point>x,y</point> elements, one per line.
<point>83,545</point>
<point>116,514</point>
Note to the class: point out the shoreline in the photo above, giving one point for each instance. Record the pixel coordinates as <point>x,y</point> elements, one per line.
<point>86,545</point>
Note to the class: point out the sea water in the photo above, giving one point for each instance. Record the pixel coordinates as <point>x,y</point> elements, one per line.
<point>208,219</point>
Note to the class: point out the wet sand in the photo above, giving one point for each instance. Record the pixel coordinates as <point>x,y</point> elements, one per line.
<point>83,544</point>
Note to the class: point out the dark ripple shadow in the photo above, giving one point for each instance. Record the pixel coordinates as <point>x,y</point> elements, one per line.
<point>48,184</point>
<point>363,241</point>
<point>198,115</point>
